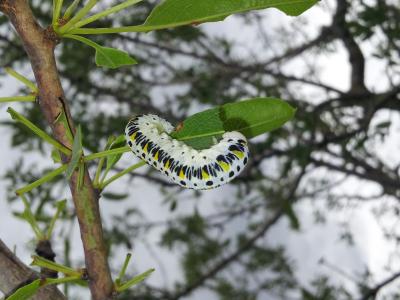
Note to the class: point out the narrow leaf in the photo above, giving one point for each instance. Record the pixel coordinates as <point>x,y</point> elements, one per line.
<point>39,132</point>
<point>42,180</point>
<point>45,263</point>
<point>22,79</point>
<point>76,153</point>
<point>114,158</point>
<point>134,280</point>
<point>55,155</point>
<point>60,206</point>
<point>26,292</point>
<point>114,196</point>
<point>106,12</point>
<point>62,118</point>
<point>70,10</point>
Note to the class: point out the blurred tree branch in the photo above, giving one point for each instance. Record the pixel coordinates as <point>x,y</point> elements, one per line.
<point>39,44</point>
<point>373,292</point>
<point>14,274</point>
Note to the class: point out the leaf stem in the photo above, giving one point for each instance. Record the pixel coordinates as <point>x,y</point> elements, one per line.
<point>79,15</point>
<point>45,263</point>
<point>29,98</point>
<point>57,5</point>
<point>124,267</point>
<point>134,280</point>
<point>39,132</point>
<point>106,12</point>
<point>42,180</point>
<point>98,171</point>
<point>30,218</point>
<point>106,153</point>
<point>62,280</point>
<point>70,9</point>
<point>22,79</point>
<point>83,40</point>
<point>137,28</point>
<point>60,207</point>
<point>122,173</point>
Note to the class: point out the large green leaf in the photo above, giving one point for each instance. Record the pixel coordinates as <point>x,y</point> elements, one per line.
<point>171,13</point>
<point>250,117</point>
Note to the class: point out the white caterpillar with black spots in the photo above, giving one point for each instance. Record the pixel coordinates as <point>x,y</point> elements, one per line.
<point>148,137</point>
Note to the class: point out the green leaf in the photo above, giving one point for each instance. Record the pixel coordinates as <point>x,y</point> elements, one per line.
<point>62,118</point>
<point>171,13</point>
<point>30,218</point>
<point>105,56</point>
<point>135,280</point>
<point>114,196</point>
<point>36,130</point>
<point>114,158</point>
<point>47,177</point>
<point>55,155</point>
<point>250,117</point>
<point>70,9</point>
<point>45,263</point>
<point>112,58</point>
<point>22,79</point>
<point>77,152</point>
<point>25,292</point>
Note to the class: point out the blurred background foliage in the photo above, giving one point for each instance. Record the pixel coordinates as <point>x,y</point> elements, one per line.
<point>334,141</point>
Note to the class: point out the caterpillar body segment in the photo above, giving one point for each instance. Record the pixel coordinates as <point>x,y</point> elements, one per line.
<point>148,137</point>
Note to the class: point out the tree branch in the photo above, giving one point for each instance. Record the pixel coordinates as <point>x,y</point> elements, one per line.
<point>229,259</point>
<point>39,45</point>
<point>356,57</point>
<point>374,291</point>
<point>289,198</point>
<point>234,66</point>
<point>14,274</point>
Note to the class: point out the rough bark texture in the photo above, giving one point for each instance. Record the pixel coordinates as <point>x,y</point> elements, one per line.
<point>39,44</point>
<point>15,274</point>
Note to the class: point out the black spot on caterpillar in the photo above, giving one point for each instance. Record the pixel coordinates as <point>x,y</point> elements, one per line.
<point>148,137</point>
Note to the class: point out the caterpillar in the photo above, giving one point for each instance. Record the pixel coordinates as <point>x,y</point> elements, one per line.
<point>148,137</point>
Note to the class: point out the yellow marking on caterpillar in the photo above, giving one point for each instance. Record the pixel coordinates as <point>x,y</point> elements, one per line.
<point>145,148</point>
<point>224,166</point>
<point>238,153</point>
<point>204,174</point>
<point>156,155</point>
<point>182,175</point>
<point>132,137</point>
<point>167,164</point>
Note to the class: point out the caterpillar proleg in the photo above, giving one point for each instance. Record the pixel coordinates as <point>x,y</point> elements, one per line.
<point>148,137</point>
